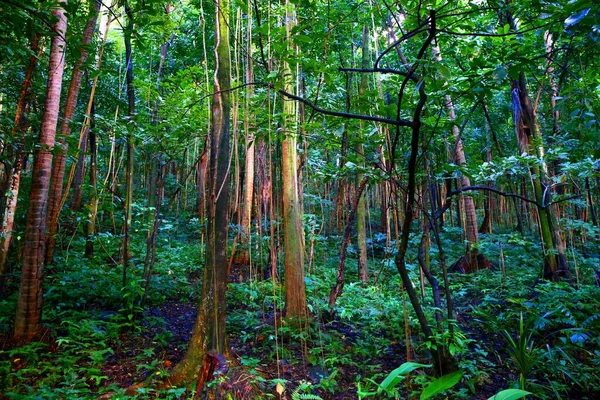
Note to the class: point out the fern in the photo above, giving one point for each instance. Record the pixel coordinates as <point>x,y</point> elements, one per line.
<point>296,395</point>
<point>590,320</point>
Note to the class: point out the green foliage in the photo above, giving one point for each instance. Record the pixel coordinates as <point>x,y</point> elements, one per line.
<point>299,393</point>
<point>510,394</point>
<point>523,353</point>
<point>441,384</point>
<point>388,385</point>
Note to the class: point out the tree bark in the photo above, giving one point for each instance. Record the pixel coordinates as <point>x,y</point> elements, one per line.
<point>14,179</point>
<point>295,292</point>
<point>208,336</point>
<point>243,254</point>
<point>361,210</point>
<point>130,166</point>
<point>60,158</point>
<point>469,262</point>
<point>555,262</point>
<point>29,304</point>
<point>90,229</point>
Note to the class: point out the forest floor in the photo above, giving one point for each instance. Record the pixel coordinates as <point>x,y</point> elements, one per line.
<point>122,366</point>
<point>99,341</point>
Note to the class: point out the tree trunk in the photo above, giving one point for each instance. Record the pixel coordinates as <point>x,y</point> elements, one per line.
<point>243,253</point>
<point>295,292</point>
<point>361,211</point>
<point>130,166</point>
<point>29,303</point>
<point>79,172</point>
<point>336,290</point>
<point>14,179</point>
<point>443,361</point>
<point>60,159</point>
<point>469,262</point>
<point>208,336</point>
<point>555,262</point>
<point>90,229</point>
<point>156,187</point>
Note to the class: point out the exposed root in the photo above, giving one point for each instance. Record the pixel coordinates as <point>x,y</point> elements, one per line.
<point>231,378</point>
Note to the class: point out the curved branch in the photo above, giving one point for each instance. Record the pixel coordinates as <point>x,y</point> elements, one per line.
<point>494,190</point>
<point>404,37</point>
<point>394,122</point>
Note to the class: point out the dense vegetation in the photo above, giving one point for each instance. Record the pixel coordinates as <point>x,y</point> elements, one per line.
<point>299,199</point>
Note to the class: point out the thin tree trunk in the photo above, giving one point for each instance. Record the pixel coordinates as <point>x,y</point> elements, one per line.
<point>156,192</point>
<point>243,254</point>
<point>470,262</point>
<point>79,172</point>
<point>29,304</point>
<point>336,290</point>
<point>90,229</point>
<point>361,211</point>
<point>130,166</point>
<point>14,178</point>
<point>443,360</point>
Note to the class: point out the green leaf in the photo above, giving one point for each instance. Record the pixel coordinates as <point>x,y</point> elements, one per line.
<point>441,384</point>
<point>398,374</point>
<point>510,394</point>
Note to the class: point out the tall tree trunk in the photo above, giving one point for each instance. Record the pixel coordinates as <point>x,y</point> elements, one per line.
<point>530,142</point>
<point>442,359</point>
<point>361,209</point>
<point>90,229</point>
<point>555,262</point>
<point>469,262</point>
<point>129,169</point>
<point>29,304</point>
<point>208,337</point>
<point>243,254</point>
<point>14,178</point>
<point>336,290</point>
<point>295,292</point>
<point>60,159</point>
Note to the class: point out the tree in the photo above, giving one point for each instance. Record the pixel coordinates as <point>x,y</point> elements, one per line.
<point>208,342</point>
<point>293,233</point>
<point>530,142</point>
<point>361,210</point>
<point>17,133</point>
<point>243,256</point>
<point>60,159</point>
<point>29,304</point>
<point>130,164</point>
<point>472,260</point>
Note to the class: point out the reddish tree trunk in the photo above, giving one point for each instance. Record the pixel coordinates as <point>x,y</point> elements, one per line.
<point>29,304</point>
<point>58,169</point>
<point>14,180</point>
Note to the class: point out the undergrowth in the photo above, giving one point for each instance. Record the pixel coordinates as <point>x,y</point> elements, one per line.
<point>512,330</point>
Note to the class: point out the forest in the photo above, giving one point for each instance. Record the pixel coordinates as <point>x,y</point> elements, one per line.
<point>299,199</point>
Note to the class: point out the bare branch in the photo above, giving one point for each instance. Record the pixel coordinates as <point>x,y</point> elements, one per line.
<point>394,122</point>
